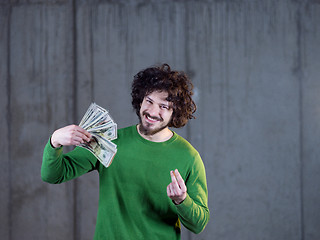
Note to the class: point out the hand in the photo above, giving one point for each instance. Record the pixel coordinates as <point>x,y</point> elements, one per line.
<point>177,189</point>
<point>70,135</point>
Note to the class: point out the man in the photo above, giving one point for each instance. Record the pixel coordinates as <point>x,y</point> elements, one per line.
<point>157,179</point>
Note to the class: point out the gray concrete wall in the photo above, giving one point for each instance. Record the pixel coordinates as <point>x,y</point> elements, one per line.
<point>255,66</point>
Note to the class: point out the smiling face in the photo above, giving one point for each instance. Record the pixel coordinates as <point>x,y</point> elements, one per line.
<point>155,113</point>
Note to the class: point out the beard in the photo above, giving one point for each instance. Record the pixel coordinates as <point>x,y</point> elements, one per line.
<point>146,129</point>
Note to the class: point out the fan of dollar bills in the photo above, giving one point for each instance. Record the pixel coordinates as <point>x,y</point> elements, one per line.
<point>103,129</point>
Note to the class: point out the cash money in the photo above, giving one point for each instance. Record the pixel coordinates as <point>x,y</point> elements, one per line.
<point>103,129</point>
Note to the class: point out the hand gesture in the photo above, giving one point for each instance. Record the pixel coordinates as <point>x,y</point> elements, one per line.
<point>70,135</point>
<point>177,189</point>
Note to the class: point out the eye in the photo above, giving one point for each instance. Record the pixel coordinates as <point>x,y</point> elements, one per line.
<point>165,107</point>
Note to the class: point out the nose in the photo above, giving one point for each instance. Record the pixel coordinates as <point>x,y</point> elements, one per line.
<point>154,111</point>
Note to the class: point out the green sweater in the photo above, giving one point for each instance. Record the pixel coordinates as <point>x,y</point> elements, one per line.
<point>133,201</point>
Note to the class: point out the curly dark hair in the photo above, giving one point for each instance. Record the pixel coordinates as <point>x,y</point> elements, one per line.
<point>176,83</point>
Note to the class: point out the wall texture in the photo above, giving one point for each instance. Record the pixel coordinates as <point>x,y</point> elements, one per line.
<point>255,66</point>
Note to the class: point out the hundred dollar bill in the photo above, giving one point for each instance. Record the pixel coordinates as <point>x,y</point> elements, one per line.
<point>101,150</point>
<point>103,129</point>
<point>109,133</point>
<point>87,114</point>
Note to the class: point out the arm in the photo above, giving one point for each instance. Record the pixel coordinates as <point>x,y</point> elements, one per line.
<point>191,198</point>
<point>58,167</point>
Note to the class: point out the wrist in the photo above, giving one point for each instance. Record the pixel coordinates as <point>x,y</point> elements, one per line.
<point>178,202</point>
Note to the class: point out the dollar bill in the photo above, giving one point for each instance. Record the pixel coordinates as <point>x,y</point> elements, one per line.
<point>108,133</point>
<point>103,129</point>
<point>101,150</point>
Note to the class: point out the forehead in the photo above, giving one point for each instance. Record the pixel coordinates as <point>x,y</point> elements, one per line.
<point>158,96</point>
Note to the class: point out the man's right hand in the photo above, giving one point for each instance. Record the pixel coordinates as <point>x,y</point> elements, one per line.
<point>69,135</point>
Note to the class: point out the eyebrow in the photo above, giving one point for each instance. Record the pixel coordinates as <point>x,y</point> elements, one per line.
<point>161,104</point>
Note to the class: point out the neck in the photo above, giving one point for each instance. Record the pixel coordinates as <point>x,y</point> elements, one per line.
<point>162,136</point>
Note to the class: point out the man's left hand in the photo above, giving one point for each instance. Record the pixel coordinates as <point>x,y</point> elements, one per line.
<point>177,189</point>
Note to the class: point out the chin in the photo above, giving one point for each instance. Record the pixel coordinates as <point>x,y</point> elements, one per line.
<point>148,131</point>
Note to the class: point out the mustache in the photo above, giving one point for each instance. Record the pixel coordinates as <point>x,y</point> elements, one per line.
<point>145,113</point>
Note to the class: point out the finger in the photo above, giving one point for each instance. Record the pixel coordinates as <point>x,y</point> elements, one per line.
<point>83,136</point>
<point>174,183</point>
<point>75,140</point>
<point>173,191</point>
<point>173,178</point>
<point>180,180</point>
<point>85,133</point>
<point>75,128</point>
<point>81,133</point>
<point>76,136</point>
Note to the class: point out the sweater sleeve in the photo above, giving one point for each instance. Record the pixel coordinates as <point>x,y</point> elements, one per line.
<point>58,167</point>
<point>193,212</point>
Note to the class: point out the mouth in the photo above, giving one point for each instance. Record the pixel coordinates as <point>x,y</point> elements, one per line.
<point>152,119</point>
